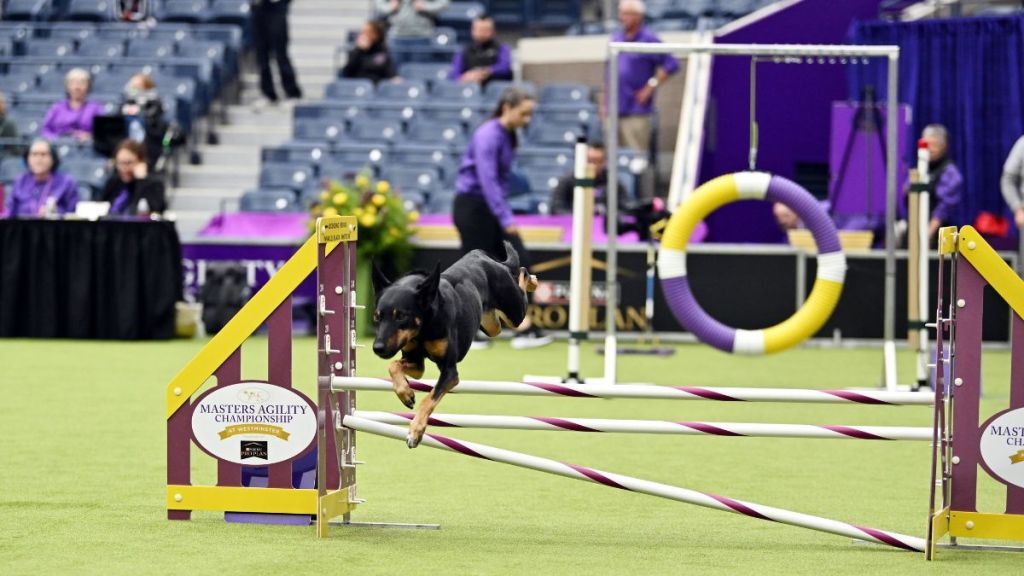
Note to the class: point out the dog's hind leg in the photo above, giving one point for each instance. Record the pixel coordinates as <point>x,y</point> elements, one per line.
<point>490,322</point>
<point>411,364</point>
<point>449,379</point>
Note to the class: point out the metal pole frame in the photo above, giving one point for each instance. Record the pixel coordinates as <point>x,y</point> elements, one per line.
<point>778,52</point>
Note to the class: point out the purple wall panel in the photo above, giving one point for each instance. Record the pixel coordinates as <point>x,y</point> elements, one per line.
<point>794,107</point>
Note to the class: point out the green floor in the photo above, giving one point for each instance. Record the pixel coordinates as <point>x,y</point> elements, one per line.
<point>82,475</point>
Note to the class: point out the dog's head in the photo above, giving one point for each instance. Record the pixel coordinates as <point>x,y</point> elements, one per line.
<point>402,308</point>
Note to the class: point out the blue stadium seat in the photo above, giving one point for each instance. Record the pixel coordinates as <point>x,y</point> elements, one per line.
<point>451,91</point>
<point>188,11</point>
<point>494,89</point>
<point>565,93</point>
<point>269,200</point>
<point>92,172</point>
<point>101,49</point>
<point>512,13</point>
<point>356,154</point>
<point>294,176</point>
<point>424,179</point>
<point>150,48</point>
<point>27,9</point>
<point>445,38</point>
<point>679,24</point>
<point>345,89</point>
<point>11,168</point>
<point>333,169</point>
<point>18,82</point>
<point>542,182</point>
<point>50,48</point>
<point>566,113</point>
<point>295,153</point>
<point>555,13</point>
<point>468,113</point>
<point>402,90</point>
<point>426,155</point>
<point>89,10</point>
<point>366,129</point>
<point>553,134</point>
<point>235,12</point>
<point>318,130</point>
<point>591,28</point>
<point>560,157</point>
<point>404,111</point>
<point>440,202</point>
<point>52,82</point>
<point>429,72</point>
<point>431,131</point>
<point>459,17</point>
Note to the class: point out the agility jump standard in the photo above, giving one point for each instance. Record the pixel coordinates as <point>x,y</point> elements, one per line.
<point>631,484</point>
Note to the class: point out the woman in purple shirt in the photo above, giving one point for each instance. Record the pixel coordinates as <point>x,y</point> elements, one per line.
<point>73,115</point>
<point>42,191</point>
<point>481,212</point>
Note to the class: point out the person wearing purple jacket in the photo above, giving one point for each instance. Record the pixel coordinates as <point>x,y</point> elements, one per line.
<point>42,190</point>
<point>481,212</point>
<point>639,76</point>
<point>73,115</point>
<point>945,182</point>
<point>485,58</point>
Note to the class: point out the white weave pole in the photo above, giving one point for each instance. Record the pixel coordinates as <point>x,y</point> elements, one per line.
<point>878,397</point>
<point>644,486</point>
<point>751,430</point>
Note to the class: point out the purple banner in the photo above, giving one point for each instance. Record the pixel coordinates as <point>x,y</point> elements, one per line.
<point>260,261</point>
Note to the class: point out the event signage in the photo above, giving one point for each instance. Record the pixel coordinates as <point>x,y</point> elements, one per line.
<point>254,423</point>
<point>1002,446</point>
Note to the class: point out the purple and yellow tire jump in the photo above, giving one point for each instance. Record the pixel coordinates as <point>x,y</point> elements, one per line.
<point>824,296</point>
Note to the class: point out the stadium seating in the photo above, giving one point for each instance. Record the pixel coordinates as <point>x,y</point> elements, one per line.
<point>269,200</point>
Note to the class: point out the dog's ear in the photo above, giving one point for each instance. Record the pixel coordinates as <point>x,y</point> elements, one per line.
<point>380,281</point>
<point>427,289</point>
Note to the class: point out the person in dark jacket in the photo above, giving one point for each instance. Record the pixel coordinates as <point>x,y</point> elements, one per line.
<point>562,195</point>
<point>484,59</point>
<point>369,58</point>
<point>131,190</point>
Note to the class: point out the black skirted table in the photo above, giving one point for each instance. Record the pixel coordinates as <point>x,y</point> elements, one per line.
<point>112,279</point>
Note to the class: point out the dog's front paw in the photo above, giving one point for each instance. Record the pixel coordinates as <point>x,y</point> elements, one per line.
<point>412,441</point>
<point>409,400</point>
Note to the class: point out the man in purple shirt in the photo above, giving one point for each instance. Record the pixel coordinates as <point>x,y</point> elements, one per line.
<point>485,58</point>
<point>481,212</point>
<point>639,76</point>
<point>945,182</point>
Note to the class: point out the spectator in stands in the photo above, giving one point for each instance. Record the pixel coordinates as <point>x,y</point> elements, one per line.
<point>484,59</point>
<point>144,112</point>
<point>639,76</point>
<point>73,115</point>
<point>1012,182</point>
<point>131,190</point>
<point>8,130</point>
<point>945,183</point>
<point>411,18</point>
<point>562,195</point>
<point>42,190</point>
<point>270,36</point>
<point>369,58</point>
<point>481,212</point>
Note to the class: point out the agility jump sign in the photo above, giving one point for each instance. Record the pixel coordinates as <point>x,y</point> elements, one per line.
<point>254,423</point>
<point>1002,447</point>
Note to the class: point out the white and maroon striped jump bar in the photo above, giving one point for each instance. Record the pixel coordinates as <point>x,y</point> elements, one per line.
<point>879,397</point>
<point>657,426</point>
<point>644,486</point>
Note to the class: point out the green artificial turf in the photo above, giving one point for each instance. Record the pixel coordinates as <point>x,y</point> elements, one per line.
<point>82,475</point>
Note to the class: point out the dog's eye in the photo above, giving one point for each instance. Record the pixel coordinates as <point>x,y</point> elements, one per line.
<point>376,315</point>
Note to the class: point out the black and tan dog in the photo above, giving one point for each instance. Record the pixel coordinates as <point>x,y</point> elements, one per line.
<point>436,315</point>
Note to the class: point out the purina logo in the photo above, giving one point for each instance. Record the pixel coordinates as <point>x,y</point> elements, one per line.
<point>253,449</point>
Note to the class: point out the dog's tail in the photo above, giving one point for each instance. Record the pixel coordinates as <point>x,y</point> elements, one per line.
<point>511,259</point>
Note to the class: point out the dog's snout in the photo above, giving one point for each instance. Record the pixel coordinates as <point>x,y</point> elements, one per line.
<point>379,348</point>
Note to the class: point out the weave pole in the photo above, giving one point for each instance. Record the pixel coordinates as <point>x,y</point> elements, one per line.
<point>631,484</point>
<point>339,384</point>
<point>657,426</point>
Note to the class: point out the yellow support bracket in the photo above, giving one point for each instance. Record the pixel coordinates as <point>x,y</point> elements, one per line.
<point>947,240</point>
<point>239,499</point>
<point>986,525</point>
<point>992,268</point>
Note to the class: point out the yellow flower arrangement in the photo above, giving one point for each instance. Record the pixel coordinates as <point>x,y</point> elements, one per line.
<point>385,227</point>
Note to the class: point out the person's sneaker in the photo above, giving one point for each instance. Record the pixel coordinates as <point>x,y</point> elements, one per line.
<point>532,337</point>
<point>480,341</point>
